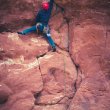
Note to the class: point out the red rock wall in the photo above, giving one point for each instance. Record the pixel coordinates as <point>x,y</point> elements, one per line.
<point>90,51</point>
<point>16,14</point>
<point>89,48</point>
<point>76,77</point>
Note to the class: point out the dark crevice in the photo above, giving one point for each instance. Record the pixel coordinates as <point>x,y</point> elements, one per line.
<point>75,84</point>
<point>42,55</point>
<point>37,96</point>
<point>76,65</point>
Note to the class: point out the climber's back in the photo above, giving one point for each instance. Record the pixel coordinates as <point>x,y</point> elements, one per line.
<point>44,14</point>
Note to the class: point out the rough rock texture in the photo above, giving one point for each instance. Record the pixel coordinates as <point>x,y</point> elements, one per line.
<point>92,56</point>
<point>33,74</point>
<point>16,14</point>
<point>76,77</point>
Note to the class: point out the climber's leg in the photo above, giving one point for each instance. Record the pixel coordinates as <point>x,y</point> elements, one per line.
<point>26,31</point>
<point>50,40</point>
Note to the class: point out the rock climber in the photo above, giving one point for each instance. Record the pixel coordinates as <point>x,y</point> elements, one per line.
<point>42,20</point>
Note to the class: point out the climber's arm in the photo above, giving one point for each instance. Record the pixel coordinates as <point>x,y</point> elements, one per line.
<point>51,5</point>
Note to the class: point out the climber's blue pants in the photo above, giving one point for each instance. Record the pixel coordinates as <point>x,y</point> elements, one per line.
<point>46,34</point>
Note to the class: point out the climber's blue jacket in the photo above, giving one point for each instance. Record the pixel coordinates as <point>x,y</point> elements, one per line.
<point>43,16</point>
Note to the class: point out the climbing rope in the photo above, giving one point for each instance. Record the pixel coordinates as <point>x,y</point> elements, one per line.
<point>64,62</point>
<point>65,21</point>
<point>64,74</point>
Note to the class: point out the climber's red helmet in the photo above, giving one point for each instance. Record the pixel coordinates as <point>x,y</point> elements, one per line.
<point>45,5</point>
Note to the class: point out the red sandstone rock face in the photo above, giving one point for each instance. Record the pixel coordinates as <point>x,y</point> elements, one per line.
<point>17,14</point>
<point>26,47</point>
<point>76,77</point>
<point>51,76</point>
<point>89,48</point>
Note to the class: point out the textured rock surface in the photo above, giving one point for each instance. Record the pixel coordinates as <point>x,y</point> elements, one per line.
<point>39,75</point>
<point>76,77</point>
<point>90,51</point>
<point>89,48</point>
<point>17,14</point>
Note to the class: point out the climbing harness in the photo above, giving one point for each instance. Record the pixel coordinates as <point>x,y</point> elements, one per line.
<point>42,28</point>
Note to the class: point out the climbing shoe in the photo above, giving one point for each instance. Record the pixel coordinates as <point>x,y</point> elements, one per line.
<point>21,33</point>
<point>53,49</point>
